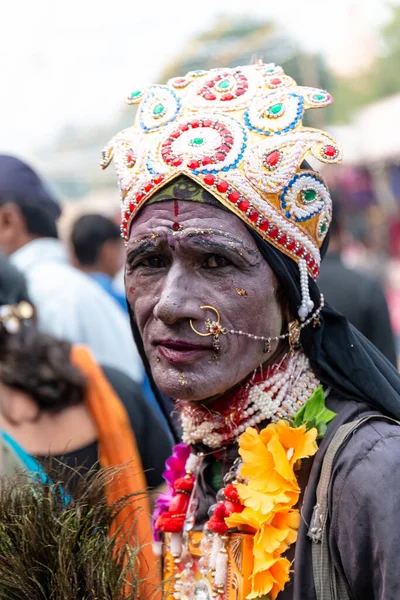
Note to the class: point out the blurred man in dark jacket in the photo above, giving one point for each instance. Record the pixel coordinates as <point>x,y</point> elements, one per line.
<point>358,296</point>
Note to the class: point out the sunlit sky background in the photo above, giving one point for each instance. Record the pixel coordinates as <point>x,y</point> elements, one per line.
<point>72,63</point>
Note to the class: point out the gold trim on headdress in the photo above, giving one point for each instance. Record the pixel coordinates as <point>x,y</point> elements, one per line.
<point>238,133</point>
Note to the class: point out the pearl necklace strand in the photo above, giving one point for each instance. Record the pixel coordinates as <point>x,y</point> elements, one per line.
<point>279,397</point>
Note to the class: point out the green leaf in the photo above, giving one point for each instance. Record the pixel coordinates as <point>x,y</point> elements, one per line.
<point>314,413</point>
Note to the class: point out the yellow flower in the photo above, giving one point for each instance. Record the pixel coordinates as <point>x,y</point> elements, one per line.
<point>272,580</point>
<point>303,442</point>
<point>269,494</point>
<point>276,535</point>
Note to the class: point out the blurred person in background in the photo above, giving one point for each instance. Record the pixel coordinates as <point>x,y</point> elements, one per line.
<point>358,296</point>
<point>57,402</point>
<point>12,290</point>
<point>59,409</point>
<point>70,305</point>
<point>98,250</point>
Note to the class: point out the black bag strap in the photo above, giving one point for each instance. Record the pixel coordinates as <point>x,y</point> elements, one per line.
<point>329,583</point>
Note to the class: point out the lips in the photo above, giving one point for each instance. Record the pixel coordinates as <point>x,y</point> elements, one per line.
<point>180,351</point>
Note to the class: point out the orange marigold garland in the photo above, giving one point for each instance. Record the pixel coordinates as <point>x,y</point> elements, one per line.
<point>268,497</point>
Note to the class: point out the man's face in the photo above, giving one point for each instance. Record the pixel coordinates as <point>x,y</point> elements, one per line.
<point>182,255</point>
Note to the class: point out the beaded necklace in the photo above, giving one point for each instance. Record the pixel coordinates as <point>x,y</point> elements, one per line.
<point>276,393</point>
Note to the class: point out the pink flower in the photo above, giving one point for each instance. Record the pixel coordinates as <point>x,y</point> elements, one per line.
<point>175,464</point>
<point>175,468</point>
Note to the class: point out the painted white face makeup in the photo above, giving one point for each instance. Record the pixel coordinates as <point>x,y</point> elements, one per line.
<point>171,272</point>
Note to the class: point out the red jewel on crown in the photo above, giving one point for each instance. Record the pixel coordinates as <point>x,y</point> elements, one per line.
<point>224,87</point>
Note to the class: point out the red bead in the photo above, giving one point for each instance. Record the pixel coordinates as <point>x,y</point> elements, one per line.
<point>148,187</point>
<point>158,179</point>
<point>291,245</point>
<point>179,504</point>
<point>139,198</point>
<point>307,258</point>
<point>131,207</point>
<point>253,216</point>
<point>176,226</point>
<point>233,507</point>
<point>311,263</point>
<point>195,124</point>
<point>207,123</point>
<point>130,157</point>
<point>274,233</point>
<point>211,84</point>
<point>222,186</point>
<point>209,179</point>
<point>177,162</point>
<point>126,217</point>
<point>193,164</point>
<point>210,96</point>
<point>244,205</point>
<point>228,140</point>
<point>207,160</point>
<point>300,251</point>
<point>224,148</point>
<point>227,97</point>
<point>220,156</point>
<point>330,151</point>
<point>240,92</point>
<point>184,127</point>
<point>180,80</point>
<point>272,158</point>
<point>234,196</point>
<point>175,135</point>
<point>276,81</point>
<point>282,238</point>
<point>264,225</point>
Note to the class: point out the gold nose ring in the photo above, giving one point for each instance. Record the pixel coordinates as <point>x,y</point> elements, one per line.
<point>213,328</point>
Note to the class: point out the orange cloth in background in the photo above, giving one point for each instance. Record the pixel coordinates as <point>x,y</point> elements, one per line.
<point>117,448</point>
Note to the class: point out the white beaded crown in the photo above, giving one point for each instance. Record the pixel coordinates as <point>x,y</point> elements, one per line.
<point>238,133</point>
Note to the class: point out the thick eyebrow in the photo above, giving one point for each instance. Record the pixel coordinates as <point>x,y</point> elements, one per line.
<point>232,241</point>
<point>233,245</point>
<point>142,248</point>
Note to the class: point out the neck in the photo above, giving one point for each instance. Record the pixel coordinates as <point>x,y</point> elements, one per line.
<point>273,393</point>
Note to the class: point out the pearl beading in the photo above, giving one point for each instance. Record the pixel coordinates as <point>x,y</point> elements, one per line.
<point>283,336</point>
<point>278,397</point>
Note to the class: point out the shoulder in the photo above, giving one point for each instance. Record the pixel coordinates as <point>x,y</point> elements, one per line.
<point>368,464</point>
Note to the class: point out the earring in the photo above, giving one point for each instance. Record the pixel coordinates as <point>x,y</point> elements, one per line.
<point>267,347</point>
<point>294,335</point>
<point>213,328</point>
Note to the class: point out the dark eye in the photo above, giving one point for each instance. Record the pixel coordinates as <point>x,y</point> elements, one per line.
<point>213,261</point>
<point>152,262</point>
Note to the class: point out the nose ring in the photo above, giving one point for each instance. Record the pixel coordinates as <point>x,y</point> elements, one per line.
<point>213,328</point>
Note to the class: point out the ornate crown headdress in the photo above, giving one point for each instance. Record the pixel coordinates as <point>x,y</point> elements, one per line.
<point>238,133</point>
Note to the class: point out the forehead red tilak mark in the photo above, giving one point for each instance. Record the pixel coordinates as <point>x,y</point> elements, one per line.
<point>175,225</point>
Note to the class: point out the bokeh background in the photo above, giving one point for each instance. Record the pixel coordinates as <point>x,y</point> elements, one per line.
<point>67,67</point>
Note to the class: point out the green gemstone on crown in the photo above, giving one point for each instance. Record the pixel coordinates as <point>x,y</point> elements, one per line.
<point>275,110</point>
<point>309,195</point>
<point>135,94</point>
<point>323,227</point>
<point>224,84</point>
<point>198,141</point>
<point>158,110</point>
<point>319,97</point>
